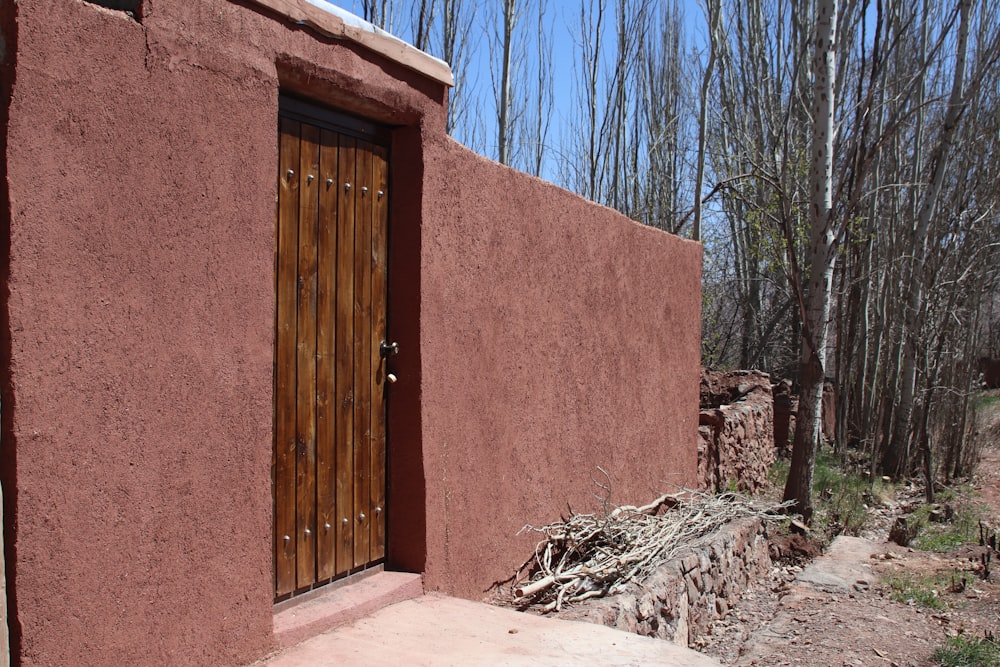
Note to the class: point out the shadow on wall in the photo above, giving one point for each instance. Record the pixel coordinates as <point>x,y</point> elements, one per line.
<point>8,460</point>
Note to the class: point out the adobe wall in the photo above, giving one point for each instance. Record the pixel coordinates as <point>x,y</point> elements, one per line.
<point>137,411</point>
<point>990,371</point>
<point>542,336</point>
<point>557,336</point>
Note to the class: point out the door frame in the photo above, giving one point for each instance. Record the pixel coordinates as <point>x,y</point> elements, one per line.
<point>343,122</point>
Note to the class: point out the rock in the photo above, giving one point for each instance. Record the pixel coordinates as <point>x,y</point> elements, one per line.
<point>721,607</point>
<point>903,532</point>
<point>793,549</point>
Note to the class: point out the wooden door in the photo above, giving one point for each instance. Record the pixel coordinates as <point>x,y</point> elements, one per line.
<point>329,440</point>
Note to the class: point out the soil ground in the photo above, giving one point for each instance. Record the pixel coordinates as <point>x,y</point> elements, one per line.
<point>844,608</point>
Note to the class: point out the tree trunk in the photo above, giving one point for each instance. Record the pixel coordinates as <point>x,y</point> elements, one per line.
<point>822,255</point>
<point>713,10</point>
<point>504,101</point>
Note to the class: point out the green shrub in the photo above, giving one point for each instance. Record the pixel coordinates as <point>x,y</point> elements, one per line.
<point>965,651</point>
<point>922,591</point>
<point>841,494</point>
<point>961,529</point>
<point>986,401</point>
<point>778,474</point>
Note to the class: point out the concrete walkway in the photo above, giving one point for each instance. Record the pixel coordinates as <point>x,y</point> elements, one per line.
<point>439,630</point>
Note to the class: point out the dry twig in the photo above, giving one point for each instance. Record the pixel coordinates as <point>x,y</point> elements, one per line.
<point>588,555</point>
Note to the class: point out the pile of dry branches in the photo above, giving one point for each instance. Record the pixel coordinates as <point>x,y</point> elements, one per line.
<point>588,555</point>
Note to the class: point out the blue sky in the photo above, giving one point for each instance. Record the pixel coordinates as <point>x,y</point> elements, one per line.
<point>562,23</point>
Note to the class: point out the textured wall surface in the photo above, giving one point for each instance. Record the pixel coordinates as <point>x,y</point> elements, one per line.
<point>557,336</point>
<point>990,370</point>
<point>542,336</point>
<point>138,405</point>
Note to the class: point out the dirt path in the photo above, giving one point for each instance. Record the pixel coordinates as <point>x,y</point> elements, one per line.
<point>832,616</point>
<point>840,610</point>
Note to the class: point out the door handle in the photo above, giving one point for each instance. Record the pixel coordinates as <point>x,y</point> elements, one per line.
<point>387,350</point>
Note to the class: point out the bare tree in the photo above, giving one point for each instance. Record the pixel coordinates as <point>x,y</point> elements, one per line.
<point>380,13</point>
<point>456,17</point>
<point>422,22</point>
<point>897,453</point>
<point>584,163</point>
<point>537,118</point>
<point>661,136</point>
<point>505,121</point>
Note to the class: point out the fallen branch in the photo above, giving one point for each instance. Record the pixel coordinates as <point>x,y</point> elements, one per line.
<point>586,555</point>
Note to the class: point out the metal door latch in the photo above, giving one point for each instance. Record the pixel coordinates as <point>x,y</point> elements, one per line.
<point>388,349</point>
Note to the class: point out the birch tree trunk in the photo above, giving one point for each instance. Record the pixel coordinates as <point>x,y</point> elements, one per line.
<point>822,255</point>
<point>456,18</point>
<point>544,97</point>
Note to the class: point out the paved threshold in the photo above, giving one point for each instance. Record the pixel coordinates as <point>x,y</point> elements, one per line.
<point>438,630</point>
<point>339,604</point>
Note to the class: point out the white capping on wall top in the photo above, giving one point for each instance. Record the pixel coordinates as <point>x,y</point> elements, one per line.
<point>332,21</point>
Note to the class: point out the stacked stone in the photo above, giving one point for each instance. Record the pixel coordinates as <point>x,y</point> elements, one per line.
<point>736,431</point>
<point>688,593</point>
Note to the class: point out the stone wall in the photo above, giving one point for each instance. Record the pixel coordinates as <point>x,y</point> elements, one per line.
<point>688,593</point>
<point>736,430</point>
<point>828,412</point>
<point>786,407</point>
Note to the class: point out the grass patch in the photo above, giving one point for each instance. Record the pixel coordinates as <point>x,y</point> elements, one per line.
<point>778,474</point>
<point>841,495</point>
<point>962,529</point>
<point>965,651</point>
<point>921,591</point>
<point>986,401</point>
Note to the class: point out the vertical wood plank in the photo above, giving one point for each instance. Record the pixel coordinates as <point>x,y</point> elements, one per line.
<point>330,421</point>
<point>379,260</point>
<point>284,373</point>
<point>306,358</point>
<point>345,357</point>
<point>362,347</point>
<point>326,377</point>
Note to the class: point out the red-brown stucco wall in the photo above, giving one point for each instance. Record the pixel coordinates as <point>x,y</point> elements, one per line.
<point>542,336</point>
<point>141,166</point>
<point>140,308</point>
<point>557,337</point>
